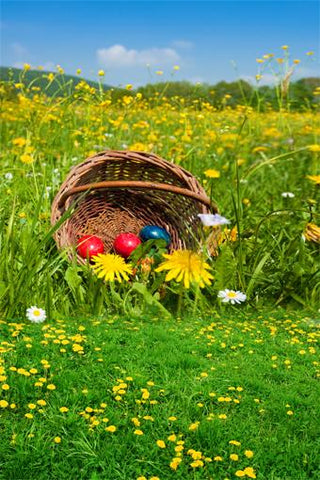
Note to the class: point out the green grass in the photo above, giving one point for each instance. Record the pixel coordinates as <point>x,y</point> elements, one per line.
<point>231,354</point>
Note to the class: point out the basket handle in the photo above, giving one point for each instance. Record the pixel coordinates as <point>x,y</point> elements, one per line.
<point>138,184</point>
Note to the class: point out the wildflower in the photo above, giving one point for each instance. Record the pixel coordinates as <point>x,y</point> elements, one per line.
<point>3,403</point>
<point>110,267</point>
<point>51,386</point>
<point>248,453</point>
<point>28,415</point>
<point>161,444</point>
<point>234,457</point>
<point>111,428</point>
<point>314,148</point>
<point>235,442</point>
<point>312,233</point>
<point>64,409</point>
<point>138,432</point>
<point>249,471</point>
<point>25,158</point>
<point>8,176</point>
<point>194,426</point>
<point>231,296</point>
<point>176,67</point>
<point>196,463</point>
<point>218,459</point>
<point>186,266</point>
<point>36,315</point>
<point>57,439</point>
<point>5,386</point>
<point>211,173</point>
<point>172,437</point>
<point>289,412</point>
<point>287,195</point>
<point>19,141</point>
<point>175,462</point>
<point>210,220</point>
<point>314,178</point>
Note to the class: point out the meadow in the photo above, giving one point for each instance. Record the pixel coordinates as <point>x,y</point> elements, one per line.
<point>148,379</point>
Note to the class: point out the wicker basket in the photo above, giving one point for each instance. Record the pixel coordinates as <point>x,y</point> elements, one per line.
<point>122,191</point>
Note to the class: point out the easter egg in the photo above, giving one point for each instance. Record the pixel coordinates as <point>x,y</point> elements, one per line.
<point>89,245</point>
<point>153,232</point>
<point>125,243</point>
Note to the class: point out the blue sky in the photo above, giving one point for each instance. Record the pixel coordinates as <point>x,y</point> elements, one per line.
<point>203,38</point>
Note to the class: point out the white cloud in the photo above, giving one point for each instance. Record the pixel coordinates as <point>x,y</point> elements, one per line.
<point>120,56</point>
<point>185,44</point>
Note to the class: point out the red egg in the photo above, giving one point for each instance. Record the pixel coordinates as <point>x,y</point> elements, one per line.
<point>89,245</point>
<point>125,243</point>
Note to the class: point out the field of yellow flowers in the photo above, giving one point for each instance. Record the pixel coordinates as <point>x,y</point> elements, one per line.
<point>155,380</point>
<point>261,169</point>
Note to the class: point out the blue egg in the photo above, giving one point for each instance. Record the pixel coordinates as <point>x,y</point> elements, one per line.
<point>153,232</point>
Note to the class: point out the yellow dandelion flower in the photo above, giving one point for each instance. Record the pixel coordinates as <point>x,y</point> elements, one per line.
<point>249,472</point>
<point>111,428</point>
<point>314,148</point>
<point>172,437</point>
<point>161,444</point>
<point>194,426</point>
<point>212,173</point>
<point>57,439</point>
<point>138,432</point>
<point>196,463</point>
<point>234,457</point>
<point>3,403</point>
<point>312,233</point>
<point>25,158</point>
<point>240,473</point>
<point>20,141</point>
<point>28,415</point>
<point>186,266</point>
<point>110,267</point>
<point>235,442</point>
<point>248,453</point>
<point>51,386</point>
<point>64,409</point>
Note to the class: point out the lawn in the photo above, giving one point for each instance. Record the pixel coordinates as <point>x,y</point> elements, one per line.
<point>221,396</point>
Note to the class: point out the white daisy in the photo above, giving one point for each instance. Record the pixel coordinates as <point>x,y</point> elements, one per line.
<point>36,315</point>
<point>232,296</point>
<point>8,176</point>
<point>287,195</point>
<point>210,220</point>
